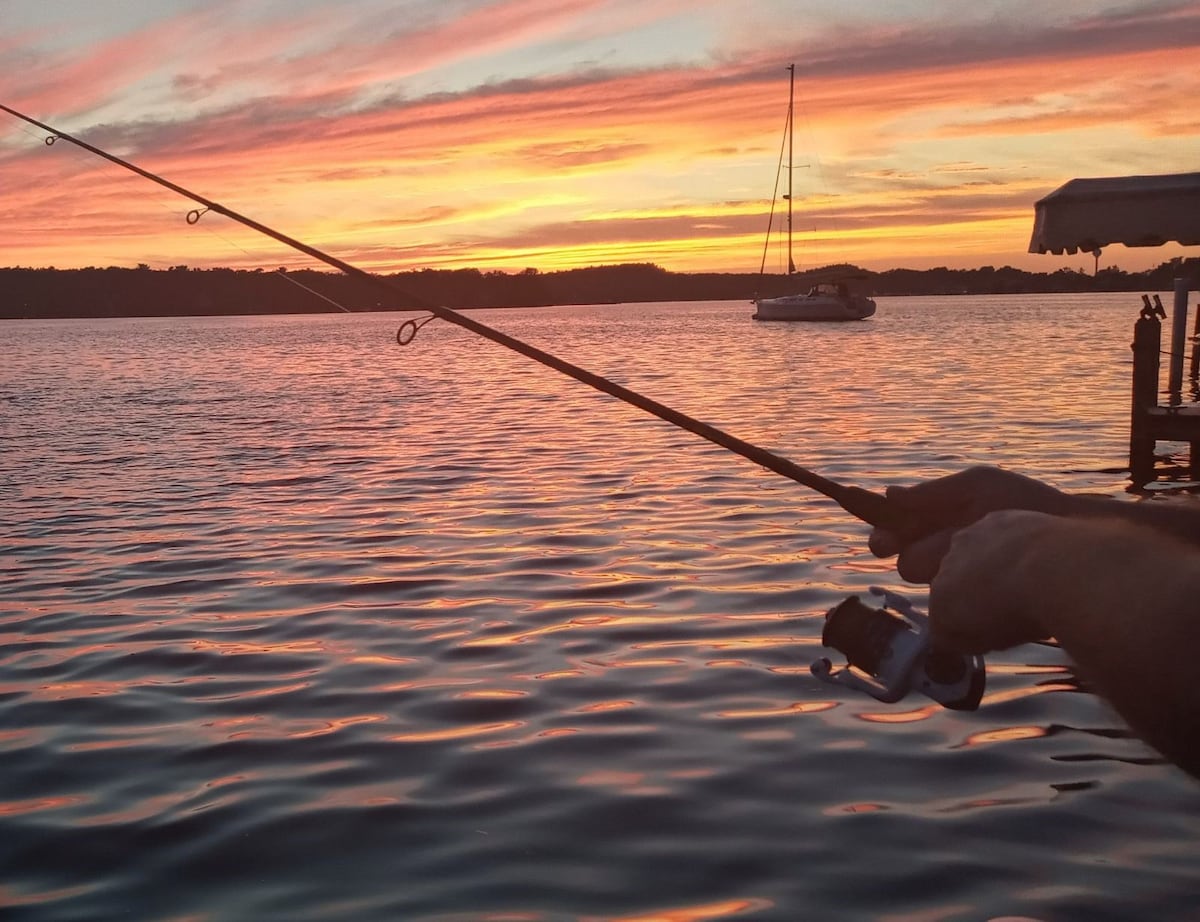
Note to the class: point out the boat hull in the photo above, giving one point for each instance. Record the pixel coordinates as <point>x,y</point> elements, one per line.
<point>814,308</point>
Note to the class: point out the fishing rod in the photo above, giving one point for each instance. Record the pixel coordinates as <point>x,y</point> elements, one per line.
<point>888,650</point>
<point>869,507</point>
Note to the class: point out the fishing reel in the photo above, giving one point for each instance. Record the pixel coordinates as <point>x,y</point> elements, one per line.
<point>889,653</point>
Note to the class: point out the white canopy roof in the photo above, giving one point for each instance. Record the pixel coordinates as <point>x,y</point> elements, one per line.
<point>1137,211</point>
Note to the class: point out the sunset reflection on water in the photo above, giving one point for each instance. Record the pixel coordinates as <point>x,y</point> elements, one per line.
<point>307,625</point>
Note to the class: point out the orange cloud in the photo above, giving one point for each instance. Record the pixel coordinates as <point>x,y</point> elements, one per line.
<point>918,147</point>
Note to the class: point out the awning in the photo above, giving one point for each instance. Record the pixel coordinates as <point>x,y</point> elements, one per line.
<point>1137,211</point>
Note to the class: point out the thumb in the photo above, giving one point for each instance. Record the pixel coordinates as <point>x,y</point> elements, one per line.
<point>919,562</point>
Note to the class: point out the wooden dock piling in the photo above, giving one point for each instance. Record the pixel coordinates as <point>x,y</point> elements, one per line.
<point>1149,422</point>
<point>1195,369</point>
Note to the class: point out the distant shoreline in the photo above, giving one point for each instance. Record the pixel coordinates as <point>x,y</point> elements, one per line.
<point>180,291</point>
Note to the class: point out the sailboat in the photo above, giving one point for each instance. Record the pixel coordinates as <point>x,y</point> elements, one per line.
<point>830,297</point>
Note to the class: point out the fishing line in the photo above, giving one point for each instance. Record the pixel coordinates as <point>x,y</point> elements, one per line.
<point>193,217</point>
<point>762,268</point>
<point>288,278</point>
<point>281,272</point>
<point>872,508</point>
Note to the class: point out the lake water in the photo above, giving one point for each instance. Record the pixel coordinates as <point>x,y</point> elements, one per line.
<point>299,624</point>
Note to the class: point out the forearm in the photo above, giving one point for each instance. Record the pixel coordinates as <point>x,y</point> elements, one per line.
<point>1179,518</point>
<point>1125,604</point>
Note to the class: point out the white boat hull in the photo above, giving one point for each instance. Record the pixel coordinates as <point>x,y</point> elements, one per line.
<point>814,307</point>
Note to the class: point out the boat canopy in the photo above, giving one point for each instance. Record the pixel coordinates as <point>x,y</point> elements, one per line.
<point>839,273</point>
<point>1137,211</point>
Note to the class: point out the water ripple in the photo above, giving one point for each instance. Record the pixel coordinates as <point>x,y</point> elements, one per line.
<point>360,635</point>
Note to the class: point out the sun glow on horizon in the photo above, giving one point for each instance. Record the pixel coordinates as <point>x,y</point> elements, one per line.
<point>406,150</point>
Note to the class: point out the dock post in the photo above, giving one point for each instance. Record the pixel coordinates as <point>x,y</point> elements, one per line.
<point>1178,337</point>
<point>1147,341</point>
<point>1194,446</point>
<point>1196,346</point>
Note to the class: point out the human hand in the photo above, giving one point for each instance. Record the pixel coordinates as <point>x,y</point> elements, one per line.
<point>985,594</point>
<point>937,508</point>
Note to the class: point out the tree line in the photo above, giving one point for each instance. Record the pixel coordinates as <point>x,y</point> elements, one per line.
<point>184,291</point>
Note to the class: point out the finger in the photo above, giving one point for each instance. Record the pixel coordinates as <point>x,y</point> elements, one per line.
<point>898,496</point>
<point>949,492</point>
<point>953,640</point>
<point>925,508</point>
<point>919,562</point>
<point>929,507</point>
<point>884,543</point>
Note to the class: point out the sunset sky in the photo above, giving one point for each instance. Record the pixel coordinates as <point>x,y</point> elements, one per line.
<point>506,134</point>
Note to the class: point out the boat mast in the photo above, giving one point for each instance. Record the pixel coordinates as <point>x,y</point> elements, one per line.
<point>790,126</point>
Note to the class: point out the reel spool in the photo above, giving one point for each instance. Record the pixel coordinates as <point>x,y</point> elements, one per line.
<point>889,653</point>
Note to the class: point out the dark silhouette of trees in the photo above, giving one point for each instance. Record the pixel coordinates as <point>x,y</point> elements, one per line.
<point>180,290</point>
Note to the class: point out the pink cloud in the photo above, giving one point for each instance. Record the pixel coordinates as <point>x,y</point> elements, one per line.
<point>279,113</point>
